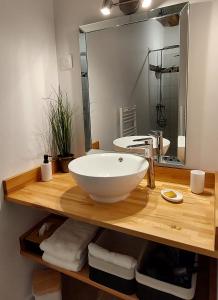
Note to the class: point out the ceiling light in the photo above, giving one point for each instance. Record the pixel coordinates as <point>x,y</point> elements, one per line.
<point>126,6</point>
<point>105,11</point>
<point>106,7</point>
<point>146,3</point>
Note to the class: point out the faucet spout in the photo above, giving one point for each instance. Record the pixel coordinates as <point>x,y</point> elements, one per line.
<point>150,158</point>
<point>158,135</point>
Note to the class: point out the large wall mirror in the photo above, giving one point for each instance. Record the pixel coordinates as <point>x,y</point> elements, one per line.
<point>134,80</point>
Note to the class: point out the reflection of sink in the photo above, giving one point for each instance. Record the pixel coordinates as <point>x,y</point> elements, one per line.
<point>122,143</point>
<point>108,177</point>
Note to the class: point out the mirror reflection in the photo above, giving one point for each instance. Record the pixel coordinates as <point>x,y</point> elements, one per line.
<point>137,87</point>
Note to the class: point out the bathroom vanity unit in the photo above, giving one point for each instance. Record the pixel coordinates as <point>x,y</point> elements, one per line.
<point>191,225</point>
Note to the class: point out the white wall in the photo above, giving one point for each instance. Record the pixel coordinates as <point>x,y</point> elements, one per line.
<point>28,69</point>
<point>69,14</point>
<point>202,130</point>
<point>202,105</point>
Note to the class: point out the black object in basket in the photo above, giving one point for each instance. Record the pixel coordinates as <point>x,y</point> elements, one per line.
<point>165,272</point>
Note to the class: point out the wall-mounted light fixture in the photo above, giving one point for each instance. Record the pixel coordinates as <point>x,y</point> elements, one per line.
<point>126,6</point>
<point>106,7</point>
<point>146,3</point>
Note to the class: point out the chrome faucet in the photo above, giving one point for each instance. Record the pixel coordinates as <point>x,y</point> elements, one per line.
<point>158,134</point>
<point>150,158</point>
<point>148,155</point>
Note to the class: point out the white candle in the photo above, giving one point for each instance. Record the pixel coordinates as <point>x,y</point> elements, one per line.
<point>197,181</point>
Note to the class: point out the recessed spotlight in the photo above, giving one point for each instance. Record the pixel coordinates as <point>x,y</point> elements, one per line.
<point>146,3</point>
<point>106,7</point>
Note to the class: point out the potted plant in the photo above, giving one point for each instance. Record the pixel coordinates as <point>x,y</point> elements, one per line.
<point>60,120</point>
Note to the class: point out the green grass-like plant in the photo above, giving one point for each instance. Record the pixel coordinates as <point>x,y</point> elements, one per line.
<point>60,119</point>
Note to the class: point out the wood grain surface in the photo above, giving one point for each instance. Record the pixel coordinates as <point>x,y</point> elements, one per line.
<point>189,225</point>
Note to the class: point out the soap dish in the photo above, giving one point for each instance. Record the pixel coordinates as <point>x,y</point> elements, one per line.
<point>177,199</point>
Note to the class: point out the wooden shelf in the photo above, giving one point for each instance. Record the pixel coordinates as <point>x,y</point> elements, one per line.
<point>190,225</point>
<point>206,284</point>
<point>81,276</point>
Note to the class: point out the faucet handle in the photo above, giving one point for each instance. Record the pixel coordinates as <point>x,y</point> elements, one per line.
<point>157,133</point>
<point>148,141</point>
<point>149,148</point>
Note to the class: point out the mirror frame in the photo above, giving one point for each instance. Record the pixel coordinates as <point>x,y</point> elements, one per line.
<point>114,23</point>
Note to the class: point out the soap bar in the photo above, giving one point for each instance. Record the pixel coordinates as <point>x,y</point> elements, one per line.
<point>172,195</point>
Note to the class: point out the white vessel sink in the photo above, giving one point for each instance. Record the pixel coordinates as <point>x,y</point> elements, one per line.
<point>122,144</point>
<point>108,177</point>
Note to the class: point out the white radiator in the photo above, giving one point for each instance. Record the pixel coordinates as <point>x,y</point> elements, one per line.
<point>128,124</point>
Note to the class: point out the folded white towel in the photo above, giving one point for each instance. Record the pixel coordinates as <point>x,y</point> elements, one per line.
<point>69,241</point>
<point>121,260</point>
<point>74,266</point>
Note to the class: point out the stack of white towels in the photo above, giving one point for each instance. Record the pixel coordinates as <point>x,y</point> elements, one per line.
<point>67,247</point>
<point>117,259</point>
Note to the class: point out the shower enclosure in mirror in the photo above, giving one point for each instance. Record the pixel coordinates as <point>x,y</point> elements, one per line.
<point>134,80</point>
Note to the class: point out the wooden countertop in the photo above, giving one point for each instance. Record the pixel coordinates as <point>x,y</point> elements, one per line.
<point>189,225</point>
